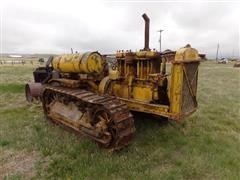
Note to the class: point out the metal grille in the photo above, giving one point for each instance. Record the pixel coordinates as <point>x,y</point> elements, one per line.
<point>189,90</point>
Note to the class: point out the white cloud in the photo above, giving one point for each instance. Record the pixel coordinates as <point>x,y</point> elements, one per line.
<point>55,26</point>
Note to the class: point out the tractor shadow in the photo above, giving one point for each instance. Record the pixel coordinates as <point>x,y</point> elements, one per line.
<point>147,122</point>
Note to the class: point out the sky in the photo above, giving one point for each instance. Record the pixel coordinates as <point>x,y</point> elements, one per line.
<point>54,26</point>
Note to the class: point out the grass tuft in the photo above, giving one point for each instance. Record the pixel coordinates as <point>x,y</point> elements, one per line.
<point>12,88</point>
<point>3,142</point>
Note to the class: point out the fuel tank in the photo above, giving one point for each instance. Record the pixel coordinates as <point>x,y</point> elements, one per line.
<point>85,63</point>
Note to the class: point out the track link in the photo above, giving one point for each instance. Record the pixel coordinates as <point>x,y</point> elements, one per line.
<point>122,122</point>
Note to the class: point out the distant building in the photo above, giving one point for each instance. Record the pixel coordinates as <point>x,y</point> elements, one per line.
<point>222,61</point>
<point>202,56</point>
<point>15,56</point>
<point>168,55</point>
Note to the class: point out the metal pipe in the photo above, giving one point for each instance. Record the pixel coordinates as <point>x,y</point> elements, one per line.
<point>160,40</point>
<point>146,37</point>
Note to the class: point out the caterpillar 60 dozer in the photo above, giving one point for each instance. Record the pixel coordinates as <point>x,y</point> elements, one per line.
<point>94,94</point>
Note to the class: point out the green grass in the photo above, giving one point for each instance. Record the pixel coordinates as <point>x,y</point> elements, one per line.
<point>205,145</point>
<point>12,88</point>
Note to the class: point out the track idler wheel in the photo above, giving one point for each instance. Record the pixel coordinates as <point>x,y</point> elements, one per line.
<point>102,122</point>
<point>117,123</point>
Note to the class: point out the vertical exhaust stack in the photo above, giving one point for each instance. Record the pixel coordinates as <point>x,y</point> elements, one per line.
<point>146,36</point>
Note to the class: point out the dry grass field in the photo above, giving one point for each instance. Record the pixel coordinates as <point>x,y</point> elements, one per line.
<point>203,146</point>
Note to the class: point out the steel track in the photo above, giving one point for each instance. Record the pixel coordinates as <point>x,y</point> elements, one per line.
<point>122,122</point>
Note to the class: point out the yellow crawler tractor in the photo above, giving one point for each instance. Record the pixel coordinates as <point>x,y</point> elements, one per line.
<point>94,94</point>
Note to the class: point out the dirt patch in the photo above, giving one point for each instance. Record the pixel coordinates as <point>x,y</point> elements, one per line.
<point>20,163</point>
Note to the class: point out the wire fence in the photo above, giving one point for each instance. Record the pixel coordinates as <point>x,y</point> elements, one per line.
<point>20,62</point>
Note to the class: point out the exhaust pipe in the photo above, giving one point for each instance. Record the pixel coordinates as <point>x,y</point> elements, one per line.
<point>146,36</point>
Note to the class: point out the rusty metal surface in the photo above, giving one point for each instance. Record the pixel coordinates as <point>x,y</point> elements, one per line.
<point>113,134</point>
<point>33,91</point>
<point>65,82</point>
